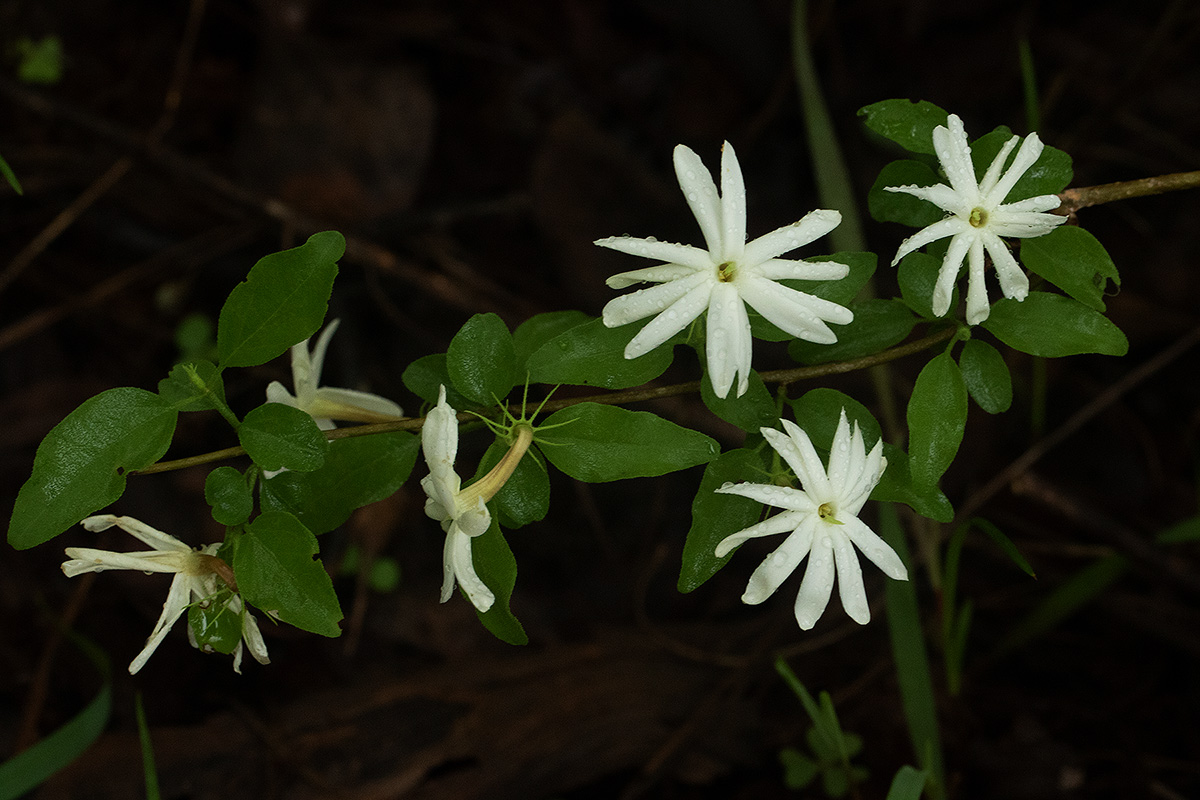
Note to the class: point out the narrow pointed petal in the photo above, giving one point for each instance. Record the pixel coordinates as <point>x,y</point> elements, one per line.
<point>683,254</point>
<point>879,552</point>
<point>728,341</point>
<point>1022,225</point>
<point>671,321</point>
<point>1043,202</point>
<point>439,437</point>
<point>950,226</point>
<point>278,393</point>
<point>950,144</point>
<point>317,363</point>
<point>841,454</point>
<point>778,269</point>
<point>1013,281</point>
<point>797,450</point>
<point>850,581</point>
<point>771,495</point>
<point>156,539</point>
<point>817,585</point>
<point>733,206</point>
<point>663,273</point>
<point>440,492</point>
<point>865,473</point>
<point>780,523</point>
<point>797,313</point>
<point>477,592</point>
<point>941,195</point>
<point>778,566</point>
<point>353,406</point>
<point>254,639</point>
<point>649,301</point>
<point>812,226</point>
<point>701,194</point>
<point>978,306</point>
<point>993,173</point>
<point>448,563</point>
<point>1027,156</point>
<point>85,559</point>
<point>943,289</point>
<point>177,601</point>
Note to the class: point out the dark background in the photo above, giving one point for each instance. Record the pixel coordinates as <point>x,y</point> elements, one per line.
<point>473,151</point>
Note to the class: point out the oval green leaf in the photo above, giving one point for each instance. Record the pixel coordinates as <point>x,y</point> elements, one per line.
<point>592,355</point>
<point>481,359</point>
<point>907,123</point>
<point>937,416</point>
<point>278,436</point>
<point>226,491</point>
<point>986,376</point>
<point>497,568</point>
<point>1053,326</point>
<point>1074,261</point>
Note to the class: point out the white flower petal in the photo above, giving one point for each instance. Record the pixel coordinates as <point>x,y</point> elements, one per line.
<point>733,206</point>
<point>663,273</point>
<point>671,321</point>
<point>352,406</point>
<point>879,552</point>
<point>993,172</point>
<point>315,363</point>
<point>278,393</point>
<point>978,306</point>
<point>865,472</point>
<point>682,254</point>
<point>253,638</point>
<point>787,521</point>
<point>1013,281</point>
<point>943,289</point>
<point>797,313</point>
<point>85,559</point>
<point>772,495</point>
<point>951,226</point>
<point>156,539</point>
<point>1027,156</point>
<point>727,340</point>
<point>798,451</point>
<point>850,581</point>
<point>950,144</point>
<point>651,300</point>
<point>177,601</point>
<point>841,450</point>
<point>818,582</point>
<point>939,194</point>
<point>476,520</point>
<point>808,229</point>
<point>464,570</point>
<point>1043,202</point>
<point>776,568</point>
<point>701,193</point>
<point>778,269</point>
<point>1022,225</point>
<point>439,437</point>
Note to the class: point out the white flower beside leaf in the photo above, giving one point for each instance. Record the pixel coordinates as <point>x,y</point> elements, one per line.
<point>324,403</point>
<point>197,579</point>
<point>725,277</point>
<point>979,217</point>
<point>823,522</point>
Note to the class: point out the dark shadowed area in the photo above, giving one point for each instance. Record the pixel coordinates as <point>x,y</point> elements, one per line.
<point>471,152</point>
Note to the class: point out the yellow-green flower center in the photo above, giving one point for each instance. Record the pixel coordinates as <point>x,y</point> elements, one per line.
<point>726,272</point>
<point>978,217</point>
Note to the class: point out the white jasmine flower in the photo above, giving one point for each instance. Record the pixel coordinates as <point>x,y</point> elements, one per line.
<point>325,403</point>
<point>726,276</point>
<point>198,577</point>
<point>979,217</point>
<point>463,512</point>
<point>823,520</point>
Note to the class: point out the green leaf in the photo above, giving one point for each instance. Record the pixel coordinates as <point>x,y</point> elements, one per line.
<point>33,766</point>
<point>193,386</point>
<point>358,471</point>
<point>986,376</point>
<point>907,123</point>
<point>878,324</point>
<point>278,436</point>
<point>917,275</point>
<point>41,60</point>
<point>1006,544</point>
<point>716,516</point>
<point>753,410</point>
<point>1186,531</point>
<point>819,410</point>
<point>534,332</point>
<point>80,466</point>
<point>1074,261</point>
<point>1052,326</point>
<point>481,359</point>
<point>798,769</point>
<point>226,491</point>
<point>525,496</point>
<point>901,207</point>
<point>282,301</point>
<point>897,486</point>
<point>214,627</point>
<point>424,376</point>
<point>598,443</point>
<point>10,176</point>
<point>276,572</point>
<point>1049,175</point>
<point>497,568</point>
<point>937,416</point>
<point>590,354</point>
<point>908,784</point>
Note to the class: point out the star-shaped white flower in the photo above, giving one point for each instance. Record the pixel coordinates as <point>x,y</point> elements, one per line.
<point>197,578</point>
<point>324,403</point>
<point>823,520</point>
<point>979,217</point>
<point>463,513</point>
<point>725,277</point>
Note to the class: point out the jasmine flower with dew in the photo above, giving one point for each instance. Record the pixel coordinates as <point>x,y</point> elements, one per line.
<point>199,577</point>
<point>823,520</point>
<point>725,277</point>
<point>324,403</point>
<point>463,513</point>
<point>979,217</point>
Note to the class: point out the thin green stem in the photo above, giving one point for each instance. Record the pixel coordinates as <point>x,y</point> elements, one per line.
<point>782,376</point>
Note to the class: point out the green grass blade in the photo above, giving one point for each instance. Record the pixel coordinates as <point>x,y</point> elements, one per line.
<point>148,767</point>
